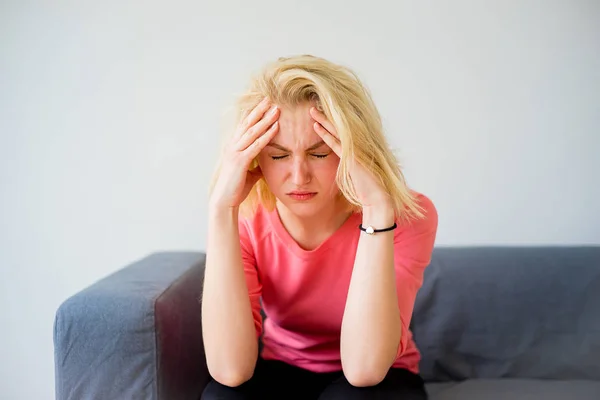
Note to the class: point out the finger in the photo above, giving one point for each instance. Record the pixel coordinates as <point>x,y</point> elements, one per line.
<point>253,116</point>
<point>257,130</point>
<point>253,149</point>
<point>322,119</point>
<point>328,138</point>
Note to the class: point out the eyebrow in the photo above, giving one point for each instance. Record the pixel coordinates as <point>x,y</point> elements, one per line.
<point>313,147</point>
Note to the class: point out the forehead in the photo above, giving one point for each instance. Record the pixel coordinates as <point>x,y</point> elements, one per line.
<point>296,127</point>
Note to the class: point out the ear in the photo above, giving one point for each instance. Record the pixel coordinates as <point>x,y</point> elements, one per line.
<point>255,174</point>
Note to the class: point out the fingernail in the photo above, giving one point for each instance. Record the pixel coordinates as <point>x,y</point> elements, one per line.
<point>273,110</point>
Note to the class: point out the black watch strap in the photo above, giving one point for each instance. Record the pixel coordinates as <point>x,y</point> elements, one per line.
<point>371,231</point>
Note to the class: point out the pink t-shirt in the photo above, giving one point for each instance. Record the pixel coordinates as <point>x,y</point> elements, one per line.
<point>304,292</point>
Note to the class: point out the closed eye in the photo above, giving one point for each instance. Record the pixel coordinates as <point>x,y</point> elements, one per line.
<point>314,155</point>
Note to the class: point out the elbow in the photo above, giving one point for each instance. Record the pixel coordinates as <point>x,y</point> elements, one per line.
<point>361,377</point>
<point>233,373</point>
<point>365,371</point>
<point>368,369</point>
<point>231,378</point>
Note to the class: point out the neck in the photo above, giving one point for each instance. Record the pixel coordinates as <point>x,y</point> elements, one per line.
<point>311,231</point>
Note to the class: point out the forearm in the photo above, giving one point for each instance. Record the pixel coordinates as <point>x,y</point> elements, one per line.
<point>371,325</point>
<point>228,328</point>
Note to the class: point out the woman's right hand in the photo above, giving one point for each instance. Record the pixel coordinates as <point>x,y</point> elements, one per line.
<point>253,133</point>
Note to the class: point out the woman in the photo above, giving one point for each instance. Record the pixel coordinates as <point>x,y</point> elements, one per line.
<point>309,211</point>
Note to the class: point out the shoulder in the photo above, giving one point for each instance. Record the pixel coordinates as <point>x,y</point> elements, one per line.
<point>426,225</point>
<point>255,226</point>
<point>414,240</point>
<point>429,210</point>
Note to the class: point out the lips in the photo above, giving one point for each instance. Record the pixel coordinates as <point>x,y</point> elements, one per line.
<point>299,193</point>
<point>296,195</point>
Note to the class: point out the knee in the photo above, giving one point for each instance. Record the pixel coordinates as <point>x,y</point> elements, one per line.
<point>345,389</point>
<point>215,390</point>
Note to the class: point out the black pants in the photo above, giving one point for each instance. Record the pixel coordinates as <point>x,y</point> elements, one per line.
<point>278,380</point>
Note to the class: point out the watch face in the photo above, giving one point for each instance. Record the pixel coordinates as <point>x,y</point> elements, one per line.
<point>370,230</point>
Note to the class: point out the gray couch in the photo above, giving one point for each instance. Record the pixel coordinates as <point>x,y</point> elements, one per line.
<point>491,323</point>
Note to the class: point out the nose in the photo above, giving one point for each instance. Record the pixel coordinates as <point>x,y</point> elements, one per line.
<point>301,174</point>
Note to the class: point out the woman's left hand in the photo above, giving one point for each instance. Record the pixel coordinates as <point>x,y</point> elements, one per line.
<point>368,190</point>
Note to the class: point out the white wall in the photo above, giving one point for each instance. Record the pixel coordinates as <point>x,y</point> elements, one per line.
<point>109,115</point>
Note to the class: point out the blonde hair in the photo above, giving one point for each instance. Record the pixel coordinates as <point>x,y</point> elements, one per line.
<point>337,92</point>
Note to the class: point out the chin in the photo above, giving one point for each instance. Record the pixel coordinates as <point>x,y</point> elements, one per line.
<point>303,208</point>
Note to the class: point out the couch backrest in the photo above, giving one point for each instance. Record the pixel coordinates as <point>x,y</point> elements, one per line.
<point>525,312</point>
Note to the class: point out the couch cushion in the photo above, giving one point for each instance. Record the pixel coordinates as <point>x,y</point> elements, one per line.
<point>435,388</point>
<point>515,389</point>
<point>501,312</point>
